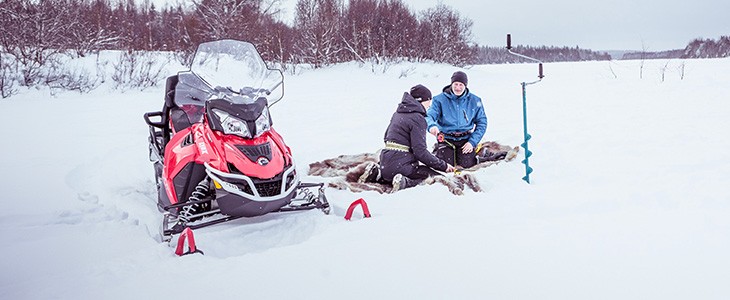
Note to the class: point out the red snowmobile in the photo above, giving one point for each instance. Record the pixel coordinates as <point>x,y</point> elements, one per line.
<point>216,156</point>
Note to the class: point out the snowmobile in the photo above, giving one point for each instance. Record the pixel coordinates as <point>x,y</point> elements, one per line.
<point>215,153</point>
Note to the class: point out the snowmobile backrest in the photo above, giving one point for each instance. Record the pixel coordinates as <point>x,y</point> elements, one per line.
<point>169,104</point>
<point>170,91</point>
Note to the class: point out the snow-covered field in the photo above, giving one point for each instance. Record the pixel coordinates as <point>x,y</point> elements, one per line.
<point>630,197</point>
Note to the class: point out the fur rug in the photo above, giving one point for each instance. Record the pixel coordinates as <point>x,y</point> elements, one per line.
<point>347,169</point>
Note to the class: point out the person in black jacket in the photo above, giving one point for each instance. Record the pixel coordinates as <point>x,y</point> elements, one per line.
<point>405,161</point>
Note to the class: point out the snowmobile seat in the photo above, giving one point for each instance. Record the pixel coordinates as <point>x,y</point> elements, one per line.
<point>179,119</point>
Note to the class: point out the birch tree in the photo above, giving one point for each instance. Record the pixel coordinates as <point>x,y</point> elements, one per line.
<point>317,23</point>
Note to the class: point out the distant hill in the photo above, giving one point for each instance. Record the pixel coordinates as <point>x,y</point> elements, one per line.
<point>618,54</point>
<point>668,54</point>
<point>499,55</point>
<point>698,48</point>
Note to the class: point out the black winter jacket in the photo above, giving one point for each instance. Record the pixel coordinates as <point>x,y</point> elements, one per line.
<point>407,127</point>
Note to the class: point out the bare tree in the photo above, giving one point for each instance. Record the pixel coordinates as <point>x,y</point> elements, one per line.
<point>276,45</point>
<point>36,35</point>
<point>221,19</point>
<point>663,69</point>
<point>57,77</point>
<point>610,67</point>
<point>179,30</point>
<point>358,33</point>
<point>643,59</point>
<point>681,69</point>
<point>447,35</point>
<point>7,76</point>
<point>318,23</point>
<point>397,30</point>
<point>136,69</point>
<point>91,33</point>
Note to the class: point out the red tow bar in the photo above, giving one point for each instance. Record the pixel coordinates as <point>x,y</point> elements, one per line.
<point>187,233</point>
<point>351,209</point>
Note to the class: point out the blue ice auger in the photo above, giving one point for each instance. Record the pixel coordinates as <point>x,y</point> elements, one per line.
<point>528,153</point>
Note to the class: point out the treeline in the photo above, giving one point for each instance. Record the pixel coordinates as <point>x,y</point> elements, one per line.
<point>708,48</point>
<point>324,31</point>
<point>36,34</point>
<point>669,54</point>
<point>697,48</point>
<point>494,55</point>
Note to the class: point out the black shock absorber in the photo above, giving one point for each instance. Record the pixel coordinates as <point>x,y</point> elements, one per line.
<point>202,190</point>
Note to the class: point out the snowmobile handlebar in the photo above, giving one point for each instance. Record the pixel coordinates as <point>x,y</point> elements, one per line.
<point>248,91</point>
<point>149,122</point>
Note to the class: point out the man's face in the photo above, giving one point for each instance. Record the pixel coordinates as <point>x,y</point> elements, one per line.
<point>426,104</point>
<point>458,88</point>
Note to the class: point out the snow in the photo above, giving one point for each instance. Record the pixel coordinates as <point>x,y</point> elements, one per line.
<point>629,198</point>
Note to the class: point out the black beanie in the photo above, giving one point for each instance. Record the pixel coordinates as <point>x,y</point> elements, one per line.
<point>460,77</point>
<point>421,93</point>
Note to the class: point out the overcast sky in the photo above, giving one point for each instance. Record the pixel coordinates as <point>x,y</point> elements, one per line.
<point>653,25</point>
<point>599,25</point>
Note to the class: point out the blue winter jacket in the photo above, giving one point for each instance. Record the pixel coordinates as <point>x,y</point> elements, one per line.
<point>451,113</point>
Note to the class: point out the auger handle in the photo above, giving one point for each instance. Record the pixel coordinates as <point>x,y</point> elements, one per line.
<point>509,49</point>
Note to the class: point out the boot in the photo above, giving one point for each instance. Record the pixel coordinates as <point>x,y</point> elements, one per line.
<point>491,156</point>
<point>371,174</point>
<point>401,182</point>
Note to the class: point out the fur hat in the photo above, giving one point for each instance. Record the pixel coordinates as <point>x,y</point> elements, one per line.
<point>421,93</point>
<point>460,77</point>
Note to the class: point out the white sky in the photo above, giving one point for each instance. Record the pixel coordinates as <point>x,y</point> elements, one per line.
<point>606,25</point>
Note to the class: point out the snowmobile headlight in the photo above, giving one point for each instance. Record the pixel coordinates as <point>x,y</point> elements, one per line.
<point>263,122</point>
<point>232,125</point>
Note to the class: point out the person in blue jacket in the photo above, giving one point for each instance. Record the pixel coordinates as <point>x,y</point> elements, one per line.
<point>456,117</point>
<point>405,161</point>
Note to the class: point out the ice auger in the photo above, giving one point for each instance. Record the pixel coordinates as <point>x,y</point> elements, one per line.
<point>528,153</point>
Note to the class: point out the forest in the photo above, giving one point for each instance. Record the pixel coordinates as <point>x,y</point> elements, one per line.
<point>35,33</point>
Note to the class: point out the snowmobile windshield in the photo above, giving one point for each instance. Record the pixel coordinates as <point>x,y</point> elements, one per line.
<point>229,70</point>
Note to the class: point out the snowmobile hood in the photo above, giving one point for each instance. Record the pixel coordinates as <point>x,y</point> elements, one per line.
<point>409,105</point>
